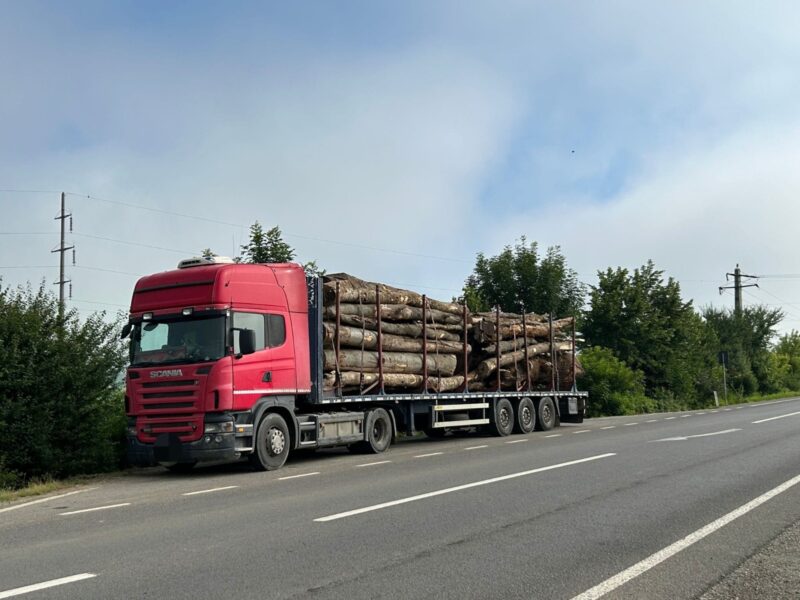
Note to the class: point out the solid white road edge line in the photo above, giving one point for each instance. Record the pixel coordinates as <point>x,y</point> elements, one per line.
<point>298,476</point>
<point>458,488</point>
<point>45,584</point>
<point>85,510</point>
<point>778,417</point>
<point>219,489</point>
<point>651,561</point>
<point>16,506</point>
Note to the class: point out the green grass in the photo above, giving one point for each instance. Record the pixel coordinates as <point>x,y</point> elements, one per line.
<point>34,488</point>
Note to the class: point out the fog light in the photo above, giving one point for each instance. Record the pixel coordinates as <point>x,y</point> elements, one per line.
<point>207,439</point>
<point>218,438</point>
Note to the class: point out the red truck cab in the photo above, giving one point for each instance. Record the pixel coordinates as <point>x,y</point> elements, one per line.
<point>214,345</point>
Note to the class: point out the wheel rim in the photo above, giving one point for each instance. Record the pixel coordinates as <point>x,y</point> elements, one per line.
<point>505,418</point>
<point>526,416</point>
<point>276,441</point>
<point>547,412</point>
<point>378,429</point>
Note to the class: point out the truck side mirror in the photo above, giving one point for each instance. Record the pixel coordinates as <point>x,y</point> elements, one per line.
<point>247,341</point>
<point>126,330</point>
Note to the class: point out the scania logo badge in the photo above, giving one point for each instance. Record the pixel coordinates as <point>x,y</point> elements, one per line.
<point>166,373</point>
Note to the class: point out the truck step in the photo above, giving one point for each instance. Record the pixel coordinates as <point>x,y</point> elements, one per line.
<point>466,423</point>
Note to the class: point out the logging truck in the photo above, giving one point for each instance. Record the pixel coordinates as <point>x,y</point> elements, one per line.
<point>236,361</point>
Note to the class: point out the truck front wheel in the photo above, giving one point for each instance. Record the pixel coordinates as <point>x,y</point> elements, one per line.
<point>272,444</point>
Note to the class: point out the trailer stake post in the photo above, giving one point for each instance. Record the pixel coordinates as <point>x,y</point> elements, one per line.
<point>466,348</point>
<point>574,365</point>
<point>553,358</point>
<point>424,344</point>
<point>497,342</point>
<point>527,363</point>
<point>336,342</point>
<point>380,338</point>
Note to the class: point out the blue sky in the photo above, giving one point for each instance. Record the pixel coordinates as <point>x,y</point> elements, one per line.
<point>396,140</point>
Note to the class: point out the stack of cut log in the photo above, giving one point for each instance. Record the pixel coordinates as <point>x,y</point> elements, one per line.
<point>351,357</point>
<point>518,339</point>
<point>403,347</point>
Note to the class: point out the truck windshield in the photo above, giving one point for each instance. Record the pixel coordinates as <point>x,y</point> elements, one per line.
<point>178,340</point>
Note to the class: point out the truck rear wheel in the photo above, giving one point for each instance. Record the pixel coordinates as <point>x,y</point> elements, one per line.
<point>526,416</point>
<point>503,421</point>
<point>271,444</point>
<point>547,414</point>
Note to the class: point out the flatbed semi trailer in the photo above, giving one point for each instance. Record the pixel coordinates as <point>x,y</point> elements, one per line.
<point>226,363</point>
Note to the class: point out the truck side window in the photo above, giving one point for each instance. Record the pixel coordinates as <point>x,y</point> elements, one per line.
<point>254,321</point>
<point>276,331</point>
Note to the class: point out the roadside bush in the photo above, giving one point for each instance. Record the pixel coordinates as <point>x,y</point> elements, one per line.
<point>614,388</point>
<point>61,411</point>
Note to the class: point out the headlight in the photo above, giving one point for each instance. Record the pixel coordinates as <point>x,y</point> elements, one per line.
<point>223,427</point>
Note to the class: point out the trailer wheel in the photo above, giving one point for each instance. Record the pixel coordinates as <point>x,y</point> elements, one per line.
<point>503,421</point>
<point>271,444</point>
<point>526,416</point>
<point>547,414</point>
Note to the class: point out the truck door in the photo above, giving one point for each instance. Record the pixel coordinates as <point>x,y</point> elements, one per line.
<point>268,370</point>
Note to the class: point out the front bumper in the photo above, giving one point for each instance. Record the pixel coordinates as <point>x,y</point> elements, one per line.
<point>169,448</point>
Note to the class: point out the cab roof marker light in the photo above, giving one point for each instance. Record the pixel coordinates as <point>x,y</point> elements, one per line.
<point>187,311</point>
<point>147,316</point>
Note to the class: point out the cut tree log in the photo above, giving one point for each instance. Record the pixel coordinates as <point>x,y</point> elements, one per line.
<point>393,312</point>
<point>352,337</point>
<point>351,289</point>
<point>488,366</point>
<point>433,332</point>
<point>394,380</point>
<point>393,362</point>
<point>487,330</point>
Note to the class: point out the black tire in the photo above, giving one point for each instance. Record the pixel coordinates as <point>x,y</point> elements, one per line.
<point>182,467</point>
<point>526,416</point>
<point>272,444</point>
<point>379,431</point>
<point>503,421</point>
<point>546,411</point>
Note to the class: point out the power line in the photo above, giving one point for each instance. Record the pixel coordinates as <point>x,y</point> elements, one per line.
<point>287,233</point>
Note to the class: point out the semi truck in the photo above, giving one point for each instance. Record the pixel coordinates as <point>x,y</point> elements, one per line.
<point>226,364</point>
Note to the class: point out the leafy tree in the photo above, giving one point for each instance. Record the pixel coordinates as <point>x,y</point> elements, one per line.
<point>269,247</point>
<point>747,337</point>
<point>208,253</point>
<point>61,409</point>
<point>643,320</point>
<point>519,278</point>
<point>266,247</point>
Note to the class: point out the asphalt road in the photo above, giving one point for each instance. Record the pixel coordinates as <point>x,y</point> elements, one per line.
<point>659,506</point>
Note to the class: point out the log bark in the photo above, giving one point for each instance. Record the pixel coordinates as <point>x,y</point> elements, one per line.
<point>394,380</point>
<point>488,366</point>
<point>393,312</point>
<point>393,362</point>
<point>439,332</point>
<point>352,337</point>
<point>351,289</point>
<point>487,330</point>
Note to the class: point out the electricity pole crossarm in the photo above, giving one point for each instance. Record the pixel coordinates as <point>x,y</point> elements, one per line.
<point>737,287</point>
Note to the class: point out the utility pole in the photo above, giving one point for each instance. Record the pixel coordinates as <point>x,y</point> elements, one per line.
<point>62,248</point>
<point>737,287</point>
